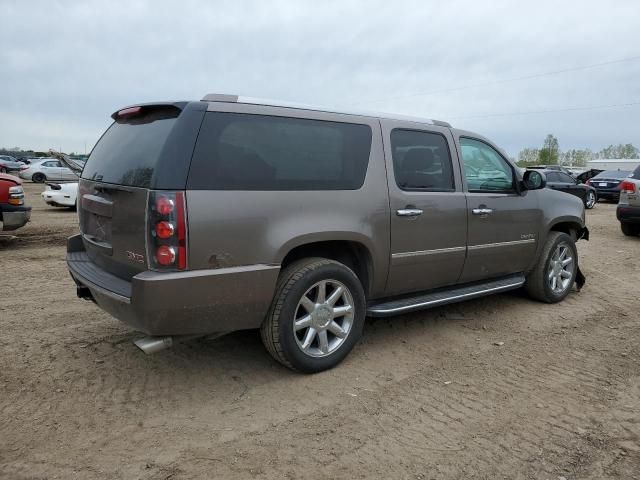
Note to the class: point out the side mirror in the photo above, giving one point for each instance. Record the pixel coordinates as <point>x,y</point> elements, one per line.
<point>534,180</point>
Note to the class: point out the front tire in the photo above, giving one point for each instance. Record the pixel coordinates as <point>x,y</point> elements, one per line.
<point>555,273</point>
<point>629,229</point>
<point>316,317</point>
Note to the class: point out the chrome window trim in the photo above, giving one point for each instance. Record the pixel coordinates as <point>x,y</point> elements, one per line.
<point>437,251</point>
<point>419,253</point>
<point>501,244</point>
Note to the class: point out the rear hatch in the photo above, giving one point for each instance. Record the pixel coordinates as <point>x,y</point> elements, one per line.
<point>147,148</point>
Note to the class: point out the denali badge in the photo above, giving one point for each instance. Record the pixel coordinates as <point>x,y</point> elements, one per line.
<point>135,257</point>
<point>527,236</point>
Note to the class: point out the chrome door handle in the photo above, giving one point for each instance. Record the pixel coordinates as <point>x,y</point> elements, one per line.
<point>408,212</point>
<point>482,211</point>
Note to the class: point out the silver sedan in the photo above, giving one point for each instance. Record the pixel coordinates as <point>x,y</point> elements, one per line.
<point>47,169</point>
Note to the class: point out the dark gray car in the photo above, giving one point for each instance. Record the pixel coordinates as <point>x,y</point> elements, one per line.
<point>231,213</point>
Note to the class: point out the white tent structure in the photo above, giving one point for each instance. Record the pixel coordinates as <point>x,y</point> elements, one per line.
<point>614,163</point>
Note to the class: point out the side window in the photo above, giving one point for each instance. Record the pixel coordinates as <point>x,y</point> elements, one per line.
<point>553,177</point>
<point>49,164</point>
<point>484,168</point>
<point>421,161</point>
<point>564,178</point>
<point>238,151</point>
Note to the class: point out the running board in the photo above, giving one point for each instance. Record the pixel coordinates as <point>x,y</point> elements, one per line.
<point>442,297</point>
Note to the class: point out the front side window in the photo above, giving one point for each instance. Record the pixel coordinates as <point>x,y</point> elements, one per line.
<point>421,161</point>
<point>260,152</point>
<point>484,168</point>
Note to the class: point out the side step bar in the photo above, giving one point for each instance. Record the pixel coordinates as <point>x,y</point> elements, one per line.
<point>444,296</point>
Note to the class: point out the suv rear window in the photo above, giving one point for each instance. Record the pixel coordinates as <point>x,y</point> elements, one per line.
<point>128,151</point>
<point>260,152</point>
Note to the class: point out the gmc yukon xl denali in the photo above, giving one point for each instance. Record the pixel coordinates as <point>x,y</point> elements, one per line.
<point>201,218</point>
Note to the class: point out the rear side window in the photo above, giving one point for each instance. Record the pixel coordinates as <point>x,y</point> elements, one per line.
<point>260,152</point>
<point>564,178</point>
<point>421,161</point>
<point>128,151</point>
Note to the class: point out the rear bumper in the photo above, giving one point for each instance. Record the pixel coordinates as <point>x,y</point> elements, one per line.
<point>14,217</point>
<point>58,199</point>
<point>177,303</point>
<point>628,214</point>
<point>608,194</point>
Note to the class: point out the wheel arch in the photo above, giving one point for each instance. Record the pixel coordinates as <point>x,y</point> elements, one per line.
<point>352,253</point>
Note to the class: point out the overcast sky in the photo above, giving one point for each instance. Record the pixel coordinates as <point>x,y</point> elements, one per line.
<point>66,66</point>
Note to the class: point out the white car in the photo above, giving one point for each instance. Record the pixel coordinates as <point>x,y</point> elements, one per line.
<point>46,169</point>
<point>61,195</point>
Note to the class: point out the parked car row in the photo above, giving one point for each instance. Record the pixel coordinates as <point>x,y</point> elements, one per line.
<point>559,180</point>
<point>46,169</point>
<point>9,164</point>
<point>608,183</point>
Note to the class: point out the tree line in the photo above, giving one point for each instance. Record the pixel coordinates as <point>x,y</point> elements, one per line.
<point>550,154</point>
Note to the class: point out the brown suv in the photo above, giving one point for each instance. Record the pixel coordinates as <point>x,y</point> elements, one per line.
<point>233,213</point>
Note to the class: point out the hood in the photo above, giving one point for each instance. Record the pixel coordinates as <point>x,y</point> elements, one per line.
<point>10,178</point>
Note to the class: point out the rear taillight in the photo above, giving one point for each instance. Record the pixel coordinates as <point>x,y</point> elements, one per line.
<point>167,237</point>
<point>627,187</point>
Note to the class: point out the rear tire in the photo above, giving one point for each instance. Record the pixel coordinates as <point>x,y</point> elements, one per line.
<point>310,332</point>
<point>555,273</point>
<point>590,200</point>
<point>39,178</point>
<point>630,229</point>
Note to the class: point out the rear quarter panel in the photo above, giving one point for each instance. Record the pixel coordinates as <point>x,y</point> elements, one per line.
<point>233,228</point>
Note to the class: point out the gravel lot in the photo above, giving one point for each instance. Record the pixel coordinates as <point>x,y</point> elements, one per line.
<point>428,395</point>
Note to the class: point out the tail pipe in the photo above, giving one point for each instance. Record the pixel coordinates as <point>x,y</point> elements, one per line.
<point>151,345</point>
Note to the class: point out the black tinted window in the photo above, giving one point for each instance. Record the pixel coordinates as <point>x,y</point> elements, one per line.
<point>564,178</point>
<point>613,174</point>
<point>128,151</point>
<point>260,152</point>
<point>421,161</point>
<point>552,176</point>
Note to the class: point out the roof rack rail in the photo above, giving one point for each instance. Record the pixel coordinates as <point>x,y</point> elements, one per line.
<point>222,97</point>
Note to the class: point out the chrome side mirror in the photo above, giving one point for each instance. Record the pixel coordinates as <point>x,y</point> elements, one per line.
<point>534,180</point>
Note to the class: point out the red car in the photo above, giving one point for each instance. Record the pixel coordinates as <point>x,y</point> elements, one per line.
<point>13,212</point>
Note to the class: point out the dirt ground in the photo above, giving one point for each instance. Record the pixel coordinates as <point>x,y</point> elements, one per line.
<point>428,395</point>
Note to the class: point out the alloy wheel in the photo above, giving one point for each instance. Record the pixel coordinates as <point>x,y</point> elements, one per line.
<point>323,318</point>
<point>561,268</point>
